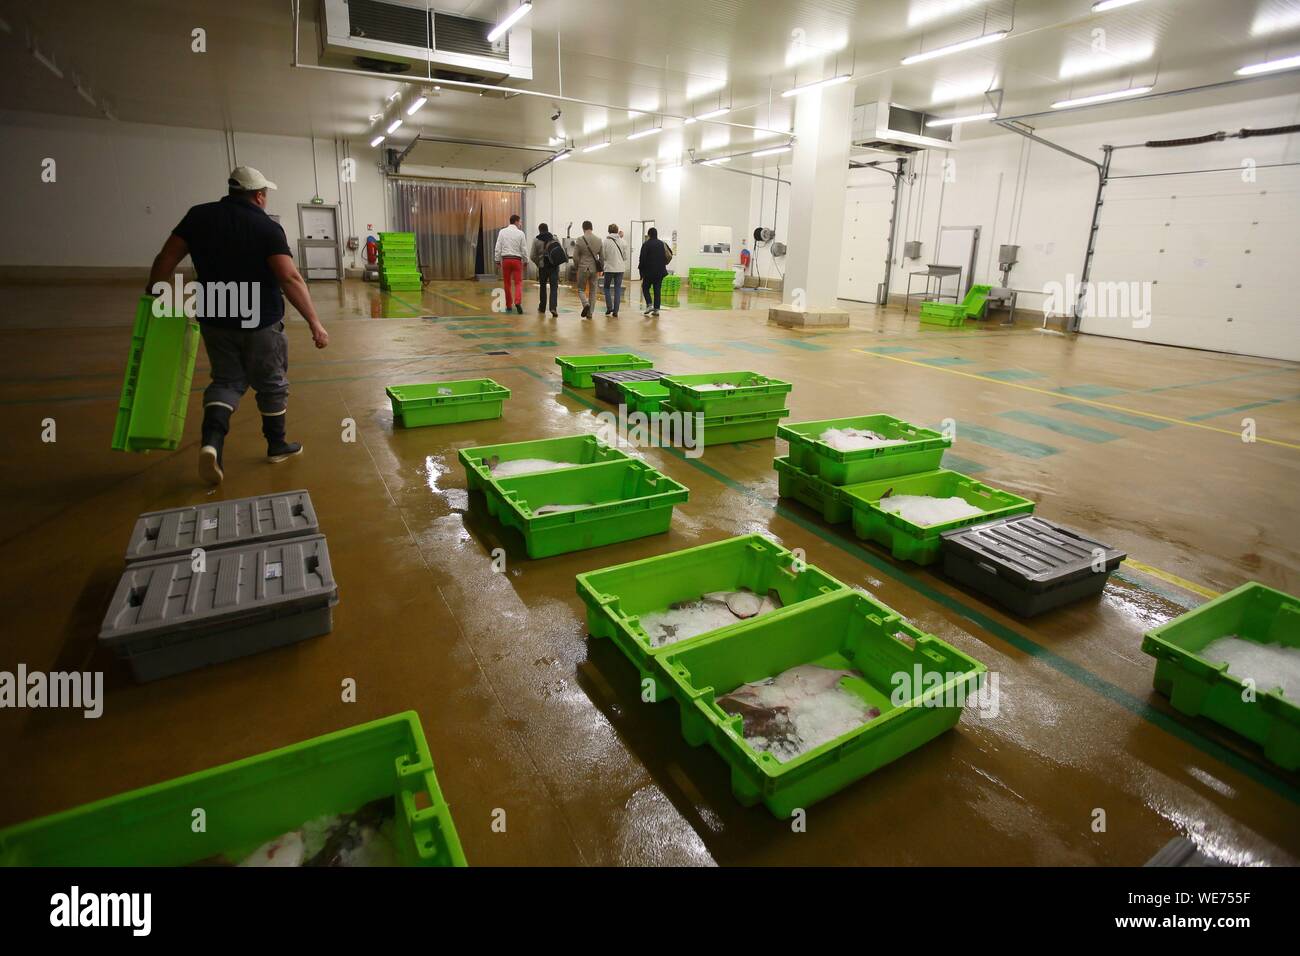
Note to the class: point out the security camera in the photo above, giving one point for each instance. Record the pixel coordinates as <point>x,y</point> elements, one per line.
<point>556,115</point>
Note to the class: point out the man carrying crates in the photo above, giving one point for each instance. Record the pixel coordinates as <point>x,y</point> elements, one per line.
<point>242,254</point>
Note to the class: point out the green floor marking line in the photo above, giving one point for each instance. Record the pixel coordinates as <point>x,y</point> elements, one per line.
<point>697,350</point>
<point>799,344</point>
<point>750,347</point>
<point>490,346</point>
<point>1089,391</point>
<point>1217,381</point>
<point>964,465</point>
<point>1004,442</point>
<point>1111,415</point>
<point>1232,411</point>
<point>495,335</point>
<point>1012,374</point>
<point>1061,427</point>
<point>415,309</point>
<point>1076,672</point>
<point>946,361</point>
<point>891,349</point>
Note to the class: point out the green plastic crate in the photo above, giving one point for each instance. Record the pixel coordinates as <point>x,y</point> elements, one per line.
<point>577,449</point>
<point>1201,688</point>
<point>923,451</point>
<point>724,429</point>
<point>156,390</point>
<point>578,369</point>
<point>911,542</point>
<point>793,482</point>
<point>941,313</point>
<point>753,393</point>
<point>396,239</point>
<point>848,630</point>
<point>254,800</point>
<point>617,596</point>
<point>643,396</point>
<point>629,500</point>
<point>470,400</point>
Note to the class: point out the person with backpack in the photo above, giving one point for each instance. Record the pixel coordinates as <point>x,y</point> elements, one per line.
<point>549,256</point>
<point>653,265</point>
<point>614,255</point>
<point>586,256</point>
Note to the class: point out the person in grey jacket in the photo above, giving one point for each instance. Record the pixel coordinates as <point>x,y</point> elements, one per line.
<point>613,252</point>
<point>586,257</point>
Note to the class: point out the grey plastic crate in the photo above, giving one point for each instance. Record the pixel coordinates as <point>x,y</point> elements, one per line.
<point>166,618</point>
<point>1026,563</point>
<point>607,389</point>
<point>221,524</point>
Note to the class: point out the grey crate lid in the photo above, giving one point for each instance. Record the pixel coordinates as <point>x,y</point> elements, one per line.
<point>1030,550</point>
<point>220,524</point>
<point>238,585</point>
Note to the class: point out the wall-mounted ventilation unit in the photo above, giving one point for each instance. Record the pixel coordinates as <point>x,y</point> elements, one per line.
<point>400,36</point>
<point>891,128</point>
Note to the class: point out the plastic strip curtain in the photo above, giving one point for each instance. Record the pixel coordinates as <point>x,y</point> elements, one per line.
<point>446,218</point>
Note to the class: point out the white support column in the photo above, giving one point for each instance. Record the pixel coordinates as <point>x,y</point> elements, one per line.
<point>823,121</point>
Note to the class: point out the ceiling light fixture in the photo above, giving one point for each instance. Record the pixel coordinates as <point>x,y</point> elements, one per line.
<point>376,141</point>
<point>1270,66</point>
<point>831,81</point>
<point>771,152</point>
<point>564,155</point>
<point>1101,6</point>
<point>1101,97</point>
<point>415,106</point>
<point>717,162</point>
<point>954,120</point>
<point>645,132</point>
<point>712,114</point>
<point>595,146</point>
<point>392,127</point>
<point>517,14</point>
<point>955,47</point>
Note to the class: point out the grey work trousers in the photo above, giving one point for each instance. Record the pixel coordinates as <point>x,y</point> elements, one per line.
<point>244,357</point>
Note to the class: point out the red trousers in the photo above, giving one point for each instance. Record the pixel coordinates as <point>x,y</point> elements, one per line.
<point>512,276</point>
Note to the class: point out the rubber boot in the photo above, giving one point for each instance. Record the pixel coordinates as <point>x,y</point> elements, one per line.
<point>216,423</point>
<point>277,449</point>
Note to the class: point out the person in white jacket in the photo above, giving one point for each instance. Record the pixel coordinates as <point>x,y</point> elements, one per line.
<point>511,251</point>
<point>613,253</point>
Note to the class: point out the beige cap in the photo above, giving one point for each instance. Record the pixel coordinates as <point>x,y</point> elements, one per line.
<point>246,177</point>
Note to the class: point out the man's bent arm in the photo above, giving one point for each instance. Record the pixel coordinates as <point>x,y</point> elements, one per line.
<point>168,258</point>
<point>295,290</point>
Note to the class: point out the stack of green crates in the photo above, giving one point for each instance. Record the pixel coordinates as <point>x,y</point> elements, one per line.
<point>399,266</point>
<point>820,622</point>
<point>156,389</point>
<point>711,280</point>
<point>672,286</point>
<point>736,406</point>
<point>849,485</point>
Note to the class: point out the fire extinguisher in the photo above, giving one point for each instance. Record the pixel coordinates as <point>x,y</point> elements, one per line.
<point>372,250</point>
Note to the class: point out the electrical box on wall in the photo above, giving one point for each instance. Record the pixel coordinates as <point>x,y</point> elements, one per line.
<point>912,250</point>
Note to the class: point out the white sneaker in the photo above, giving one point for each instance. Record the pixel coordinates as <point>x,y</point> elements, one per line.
<point>210,465</point>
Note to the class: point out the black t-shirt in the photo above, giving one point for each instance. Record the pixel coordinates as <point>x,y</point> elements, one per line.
<point>230,241</point>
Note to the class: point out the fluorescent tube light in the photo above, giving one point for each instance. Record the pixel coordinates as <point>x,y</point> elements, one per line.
<point>376,141</point>
<point>415,106</point>
<point>595,146</point>
<point>1101,6</point>
<point>1101,97</point>
<point>832,81</point>
<point>517,14</point>
<point>1270,66</point>
<point>645,132</point>
<point>717,162</point>
<point>954,120</point>
<point>564,155</point>
<point>392,127</point>
<point>771,152</point>
<point>713,114</point>
<point>955,47</point>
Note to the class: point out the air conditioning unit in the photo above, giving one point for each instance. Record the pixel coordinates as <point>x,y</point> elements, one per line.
<point>397,36</point>
<point>891,128</point>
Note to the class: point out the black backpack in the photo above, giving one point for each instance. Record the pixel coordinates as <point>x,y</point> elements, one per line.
<point>554,253</point>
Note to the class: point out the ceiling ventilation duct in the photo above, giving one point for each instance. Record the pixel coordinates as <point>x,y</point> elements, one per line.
<point>890,128</point>
<point>399,36</point>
